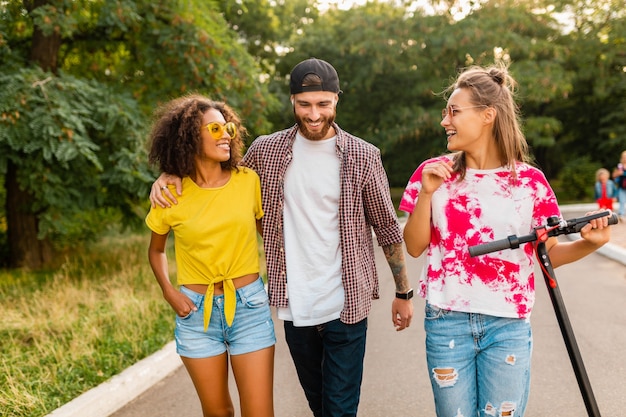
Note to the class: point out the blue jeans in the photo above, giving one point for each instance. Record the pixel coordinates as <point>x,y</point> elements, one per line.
<point>479,364</point>
<point>329,363</point>
<point>621,198</point>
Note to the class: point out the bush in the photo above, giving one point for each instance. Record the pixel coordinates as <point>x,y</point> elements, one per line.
<point>576,180</point>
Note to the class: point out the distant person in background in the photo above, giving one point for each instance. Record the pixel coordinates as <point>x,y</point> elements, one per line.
<point>221,306</point>
<point>619,176</point>
<point>605,190</point>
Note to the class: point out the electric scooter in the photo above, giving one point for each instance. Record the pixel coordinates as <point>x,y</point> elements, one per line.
<point>555,227</point>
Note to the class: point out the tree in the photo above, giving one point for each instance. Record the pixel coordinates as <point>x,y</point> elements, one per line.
<point>266,28</point>
<point>531,41</point>
<point>594,116</point>
<point>395,64</point>
<point>78,80</point>
<point>70,150</point>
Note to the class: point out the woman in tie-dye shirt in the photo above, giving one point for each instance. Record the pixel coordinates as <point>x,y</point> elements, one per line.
<point>478,335</point>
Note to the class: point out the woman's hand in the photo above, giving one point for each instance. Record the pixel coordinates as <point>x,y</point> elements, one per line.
<point>181,304</point>
<point>594,234</point>
<point>434,174</point>
<point>597,231</point>
<point>161,195</point>
<point>417,228</point>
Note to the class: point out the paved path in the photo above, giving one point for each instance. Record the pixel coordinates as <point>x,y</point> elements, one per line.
<point>396,380</point>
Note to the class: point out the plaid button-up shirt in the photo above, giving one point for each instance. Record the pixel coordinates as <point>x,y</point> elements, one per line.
<point>364,205</point>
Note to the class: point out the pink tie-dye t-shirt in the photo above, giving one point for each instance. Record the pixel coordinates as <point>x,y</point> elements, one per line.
<point>487,205</point>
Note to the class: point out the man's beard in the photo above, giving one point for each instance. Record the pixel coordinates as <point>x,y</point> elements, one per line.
<point>327,123</point>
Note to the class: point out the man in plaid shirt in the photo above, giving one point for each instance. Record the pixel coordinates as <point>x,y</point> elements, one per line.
<point>324,191</point>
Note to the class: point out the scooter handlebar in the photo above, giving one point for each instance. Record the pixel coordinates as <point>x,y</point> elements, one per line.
<point>582,222</point>
<point>510,242</point>
<point>513,241</point>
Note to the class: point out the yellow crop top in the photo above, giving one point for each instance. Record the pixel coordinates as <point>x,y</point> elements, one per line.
<point>215,236</point>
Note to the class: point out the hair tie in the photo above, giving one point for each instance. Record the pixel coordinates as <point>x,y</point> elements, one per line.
<point>497,78</point>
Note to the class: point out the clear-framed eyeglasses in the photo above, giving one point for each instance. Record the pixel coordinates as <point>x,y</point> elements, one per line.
<point>453,111</point>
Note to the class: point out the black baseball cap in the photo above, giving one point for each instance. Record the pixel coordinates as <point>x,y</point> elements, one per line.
<point>321,68</point>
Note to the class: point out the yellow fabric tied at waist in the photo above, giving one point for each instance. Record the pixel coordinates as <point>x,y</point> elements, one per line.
<point>230,301</point>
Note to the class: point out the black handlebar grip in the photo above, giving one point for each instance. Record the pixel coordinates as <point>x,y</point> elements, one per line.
<point>612,220</point>
<point>496,245</point>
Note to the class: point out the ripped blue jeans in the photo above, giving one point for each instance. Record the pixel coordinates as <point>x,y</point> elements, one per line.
<point>479,365</point>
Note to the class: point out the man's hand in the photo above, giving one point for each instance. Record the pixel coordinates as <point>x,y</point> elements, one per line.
<point>401,313</point>
<point>160,193</point>
<point>401,310</point>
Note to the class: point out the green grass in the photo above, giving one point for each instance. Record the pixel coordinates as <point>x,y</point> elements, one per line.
<point>67,331</point>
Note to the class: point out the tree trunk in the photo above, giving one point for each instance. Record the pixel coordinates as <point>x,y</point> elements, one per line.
<point>25,249</point>
<point>44,50</point>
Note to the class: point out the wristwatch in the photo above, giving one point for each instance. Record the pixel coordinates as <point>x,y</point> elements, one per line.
<point>405,295</point>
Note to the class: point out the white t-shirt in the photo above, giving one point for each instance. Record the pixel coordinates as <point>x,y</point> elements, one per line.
<point>487,205</point>
<point>311,230</point>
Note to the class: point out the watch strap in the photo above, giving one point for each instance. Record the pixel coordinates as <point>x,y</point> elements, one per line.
<point>405,296</point>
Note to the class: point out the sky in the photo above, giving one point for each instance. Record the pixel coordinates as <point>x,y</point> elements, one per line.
<point>341,4</point>
<point>424,4</point>
<point>464,6</point>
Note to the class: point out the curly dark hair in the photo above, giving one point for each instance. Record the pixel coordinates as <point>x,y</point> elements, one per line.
<point>175,138</point>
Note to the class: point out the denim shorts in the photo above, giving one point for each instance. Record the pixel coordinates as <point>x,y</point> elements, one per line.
<point>251,330</point>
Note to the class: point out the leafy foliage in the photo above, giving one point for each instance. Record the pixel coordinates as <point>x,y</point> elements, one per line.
<point>79,148</point>
<point>594,113</point>
<point>394,60</point>
<point>79,83</point>
<point>394,66</point>
<point>576,180</point>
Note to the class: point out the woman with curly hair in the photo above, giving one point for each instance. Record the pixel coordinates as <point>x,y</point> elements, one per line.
<point>221,306</point>
<point>477,314</point>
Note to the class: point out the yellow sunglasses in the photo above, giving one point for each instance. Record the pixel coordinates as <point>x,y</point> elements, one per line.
<point>216,129</point>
